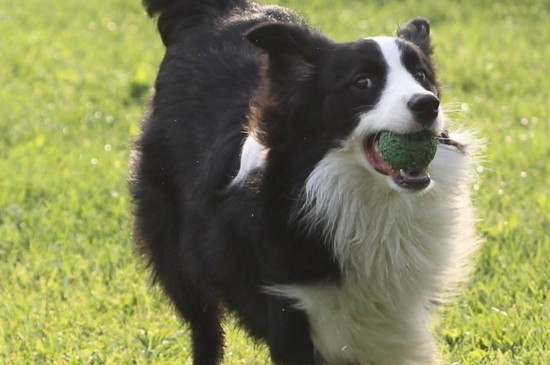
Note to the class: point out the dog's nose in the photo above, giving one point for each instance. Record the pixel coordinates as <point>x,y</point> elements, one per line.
<point>424,107</point>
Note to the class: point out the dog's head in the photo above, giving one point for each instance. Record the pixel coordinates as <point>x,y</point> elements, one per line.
<point>318,96</point>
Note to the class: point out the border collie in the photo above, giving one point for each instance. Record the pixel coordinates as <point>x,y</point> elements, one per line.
<point>259,188</point>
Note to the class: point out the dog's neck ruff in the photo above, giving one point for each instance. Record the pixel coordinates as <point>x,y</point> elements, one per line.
<point>396,250</point>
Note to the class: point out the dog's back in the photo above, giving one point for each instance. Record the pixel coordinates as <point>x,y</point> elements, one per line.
<point>206,81</point>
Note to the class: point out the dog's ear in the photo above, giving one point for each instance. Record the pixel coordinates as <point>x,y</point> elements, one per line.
<point>288,61</point>
<point>281,39</point>
<point>289,47</point>
<point>417,31</point>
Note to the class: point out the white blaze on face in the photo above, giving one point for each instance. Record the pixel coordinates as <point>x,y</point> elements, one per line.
<point>391,112</point>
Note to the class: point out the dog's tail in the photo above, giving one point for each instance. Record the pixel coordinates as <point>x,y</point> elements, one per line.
<point>174,15</point>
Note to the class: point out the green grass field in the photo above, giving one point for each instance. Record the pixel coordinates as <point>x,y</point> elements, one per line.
<point>75,76</point>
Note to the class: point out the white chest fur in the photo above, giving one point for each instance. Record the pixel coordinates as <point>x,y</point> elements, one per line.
<point>397,252</point>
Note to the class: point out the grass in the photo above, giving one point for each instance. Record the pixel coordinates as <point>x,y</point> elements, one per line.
<point>75,76</point>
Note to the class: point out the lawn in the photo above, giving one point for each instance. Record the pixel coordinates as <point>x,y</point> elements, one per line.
<point>75,77</point>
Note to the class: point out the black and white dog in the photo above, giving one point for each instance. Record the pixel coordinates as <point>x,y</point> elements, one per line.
<point>259,188</point>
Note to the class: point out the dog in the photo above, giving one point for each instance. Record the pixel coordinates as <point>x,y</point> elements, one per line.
<point>259,188</point>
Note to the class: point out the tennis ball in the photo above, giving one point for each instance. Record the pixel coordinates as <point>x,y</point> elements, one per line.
<point>410,152</point>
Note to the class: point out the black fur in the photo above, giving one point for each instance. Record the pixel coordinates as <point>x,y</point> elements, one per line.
<point>233,66</point>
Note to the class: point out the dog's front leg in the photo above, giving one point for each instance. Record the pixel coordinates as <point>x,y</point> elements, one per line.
<point>289,340</point>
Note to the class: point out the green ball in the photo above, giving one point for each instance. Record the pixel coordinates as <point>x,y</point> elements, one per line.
<point>410,152</point>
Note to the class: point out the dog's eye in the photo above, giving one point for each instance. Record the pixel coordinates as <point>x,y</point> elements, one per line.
<point>420,76</point>
<point>363,83</point>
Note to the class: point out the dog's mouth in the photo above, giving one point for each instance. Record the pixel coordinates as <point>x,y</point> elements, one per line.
<point>414,180</point>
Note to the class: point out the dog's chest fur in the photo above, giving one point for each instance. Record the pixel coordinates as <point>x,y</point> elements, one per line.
<point>396,251</point>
